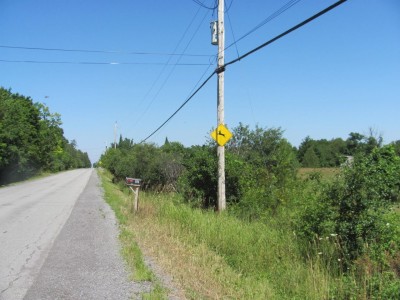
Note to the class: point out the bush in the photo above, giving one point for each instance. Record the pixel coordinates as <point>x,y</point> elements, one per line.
<point>356,206</point>
<point>199,181</point>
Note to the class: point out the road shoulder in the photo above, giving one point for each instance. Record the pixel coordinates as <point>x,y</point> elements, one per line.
<point>85,260</point>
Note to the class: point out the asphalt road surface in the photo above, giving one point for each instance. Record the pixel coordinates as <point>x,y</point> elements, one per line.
<point>58,240</point>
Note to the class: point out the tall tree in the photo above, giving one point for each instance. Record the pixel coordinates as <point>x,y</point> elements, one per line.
<point>19,136</point>
<point>50,136</point>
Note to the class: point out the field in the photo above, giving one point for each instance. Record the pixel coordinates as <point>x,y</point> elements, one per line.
<point>325,173</point>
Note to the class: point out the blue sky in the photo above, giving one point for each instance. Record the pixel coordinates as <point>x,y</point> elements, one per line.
<point>336,75</point>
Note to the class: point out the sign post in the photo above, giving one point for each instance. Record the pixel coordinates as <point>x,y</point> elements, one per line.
<point>134,185</point>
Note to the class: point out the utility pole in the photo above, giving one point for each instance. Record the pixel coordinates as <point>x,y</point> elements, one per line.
<point>220,106</point>
<point>115,135</point>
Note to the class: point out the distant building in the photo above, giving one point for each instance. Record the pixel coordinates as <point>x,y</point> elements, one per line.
<point>348,160</point>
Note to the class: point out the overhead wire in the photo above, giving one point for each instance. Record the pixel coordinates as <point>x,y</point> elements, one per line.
<point>102,51</point>
<point>265,21</point>
<point>100,63</point>
<point>231,27</point>
<point>180,107</point>
<point>222,69</point>
<point>322,12</point>
<point>191,94</point>
<point>205,6</point>
<point>173,67</point>
<point>228,7</point>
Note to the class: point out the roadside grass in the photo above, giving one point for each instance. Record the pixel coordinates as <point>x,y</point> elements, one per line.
<point>200,271</point>
<point>130,249</point>
<point>218,256</point>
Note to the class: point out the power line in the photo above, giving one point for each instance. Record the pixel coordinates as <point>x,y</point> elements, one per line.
<point>102,51</point>
<point>173,68</point>
<point>267,20</point>
<point>231,27</point>
<point>180,107</point>
<point>227,7</point>
<point>205,6</point>
<point>322,12</point>
<point>100,63</point>
<point>222,69</point>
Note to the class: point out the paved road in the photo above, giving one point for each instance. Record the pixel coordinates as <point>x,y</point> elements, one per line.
<point>58,241</point>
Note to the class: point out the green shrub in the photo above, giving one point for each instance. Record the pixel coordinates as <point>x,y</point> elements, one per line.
<point>356,205</point>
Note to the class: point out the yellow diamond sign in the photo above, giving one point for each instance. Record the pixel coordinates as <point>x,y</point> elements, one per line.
<point>221,135</point>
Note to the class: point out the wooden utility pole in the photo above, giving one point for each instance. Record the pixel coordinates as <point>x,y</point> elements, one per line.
<point>221,114</point>
<point>115,135</point>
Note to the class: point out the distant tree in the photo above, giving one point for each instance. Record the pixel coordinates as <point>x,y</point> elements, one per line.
<point>125,144</point>
<point>358,143</point>
<point>338,149</point>
<point>372,141</point>
<point>329,153</point>
<point>396,146</point>
<point>310,159</point>
<point>166,141</point>
<point>353,142</point>
<point>308,142</point>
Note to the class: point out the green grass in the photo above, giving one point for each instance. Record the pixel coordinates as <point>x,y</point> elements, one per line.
<point>134,257</point>
<point>265,260</point>
<point>218,256</point>
<point>157,293</point>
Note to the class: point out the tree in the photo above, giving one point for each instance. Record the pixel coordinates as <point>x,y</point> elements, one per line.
<point>125,144</point>
<point>321,153</point>
<point>199,180</point>
<point>358,143</point>
<point>396,146</point>
<point>265,148</point>
<point>31,140</point>
<point>310,159</point>
<point>50,136</point>
<point>261,170</point>
<point>19,137</point>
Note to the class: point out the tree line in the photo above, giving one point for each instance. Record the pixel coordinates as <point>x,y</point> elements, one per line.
<point>251,154</point>
<point>32,140</point>
<point>332,153</point>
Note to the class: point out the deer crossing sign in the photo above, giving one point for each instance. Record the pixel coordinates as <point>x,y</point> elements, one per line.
<point>221,135</point>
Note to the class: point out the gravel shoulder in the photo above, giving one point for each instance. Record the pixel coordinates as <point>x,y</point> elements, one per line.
<point>85,260</point>
<point>32,215</point>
